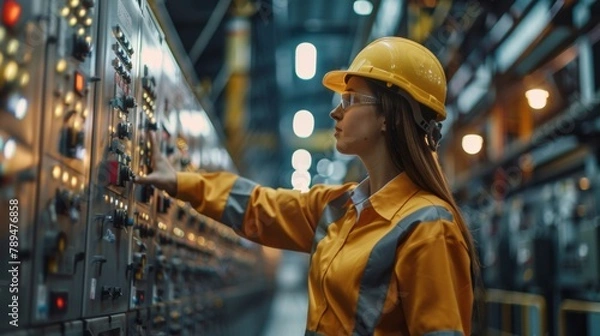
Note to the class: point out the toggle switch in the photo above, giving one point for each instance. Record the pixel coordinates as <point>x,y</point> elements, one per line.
<point>118,173</point>
<point>81,47</point>
<point>181,213</point>
<point>151,126</point>
<point>124,130</point>
<point>191,222</point>
<point>68,203</point>
<point>121,219</point>
<point>163,204</point>
<point>71,140</point>
<point>111,292</point>
<point>129,102</point>
<point>142,230</point>
<point>106,292</point>
<point>63,201</point>
<point>124,103</point>
<point>117,292</point>
<point>145,193</point>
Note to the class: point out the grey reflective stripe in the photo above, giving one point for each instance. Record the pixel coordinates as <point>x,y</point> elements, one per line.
<point>379,268</point>
<point>312,333</point>
<point>444,333</point>
<point>332,212</point>
<point>237,202</point>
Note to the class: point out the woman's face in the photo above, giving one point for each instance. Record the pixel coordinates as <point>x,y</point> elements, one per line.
<point>358,125</point>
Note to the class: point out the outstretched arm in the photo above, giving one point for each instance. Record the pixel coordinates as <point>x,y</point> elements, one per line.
<point>278,218</point>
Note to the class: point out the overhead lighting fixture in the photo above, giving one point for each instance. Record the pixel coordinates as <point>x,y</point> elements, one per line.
<point>472,143</point>
<point>584,183</point>
<point>530,27</point>
<point>301,180</point>
<point>303,124</point>
<point>537,98</point>
<point>301,159</point>
<point>363,7</point>
<point>306,61</point>
<point>10,148</point>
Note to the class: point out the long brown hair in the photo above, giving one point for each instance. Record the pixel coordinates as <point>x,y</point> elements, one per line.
<point>411,153</point>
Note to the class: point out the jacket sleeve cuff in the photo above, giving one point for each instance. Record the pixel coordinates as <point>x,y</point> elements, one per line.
<point>187,186</point>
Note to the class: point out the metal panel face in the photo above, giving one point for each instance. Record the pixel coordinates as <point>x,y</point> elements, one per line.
<point>143,205</point>
<point>108,274</point>
<point>106,326</point>
<point>64,176</point>
<point>73,328</point>
<point>168,104</point>
<point>22,47</point>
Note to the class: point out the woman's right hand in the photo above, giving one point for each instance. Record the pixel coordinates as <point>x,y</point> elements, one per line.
<point>163,174</point>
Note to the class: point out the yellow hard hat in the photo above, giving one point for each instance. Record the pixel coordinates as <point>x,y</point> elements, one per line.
<point>401,62</point>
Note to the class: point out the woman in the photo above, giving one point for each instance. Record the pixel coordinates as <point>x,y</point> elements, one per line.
<point>389,256</point>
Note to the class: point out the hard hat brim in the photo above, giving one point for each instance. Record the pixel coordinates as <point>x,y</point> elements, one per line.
<point>336,81</point>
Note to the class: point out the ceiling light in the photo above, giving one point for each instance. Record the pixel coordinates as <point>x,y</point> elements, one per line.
<point>306,60</point>
<point>537,98</point>
<point>301,159</point>
<point>584,183</point>
<point>363,7</point>
<point>10,148</point>
<point>301,180</point>
<point>303,124</point>
<point>472,143</point>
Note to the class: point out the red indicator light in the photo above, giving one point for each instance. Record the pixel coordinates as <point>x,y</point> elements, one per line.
<point>60,303</point>
<point>79,83</point>
<point>11,13</point>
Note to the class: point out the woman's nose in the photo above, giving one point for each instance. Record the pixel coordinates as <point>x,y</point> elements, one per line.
<point>336,113</point>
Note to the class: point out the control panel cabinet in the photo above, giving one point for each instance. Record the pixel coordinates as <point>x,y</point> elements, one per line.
<point>23,38</point>
<point>110,222</point>
<point>64,170</point>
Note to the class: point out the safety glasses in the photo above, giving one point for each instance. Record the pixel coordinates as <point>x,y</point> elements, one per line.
<point>350,99</point>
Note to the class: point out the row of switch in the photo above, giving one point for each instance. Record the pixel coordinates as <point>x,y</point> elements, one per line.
<point>122,70</point>
<point>120,36</point>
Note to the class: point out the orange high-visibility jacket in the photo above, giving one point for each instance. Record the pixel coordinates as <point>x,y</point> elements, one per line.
<point>391,263</point>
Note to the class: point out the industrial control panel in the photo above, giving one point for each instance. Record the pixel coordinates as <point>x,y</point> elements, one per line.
<point>82,85</point>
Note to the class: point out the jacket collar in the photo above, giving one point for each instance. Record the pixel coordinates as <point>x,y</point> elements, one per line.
<point>387,200</point>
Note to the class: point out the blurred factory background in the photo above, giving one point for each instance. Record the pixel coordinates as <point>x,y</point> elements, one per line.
<point>236,85</point>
